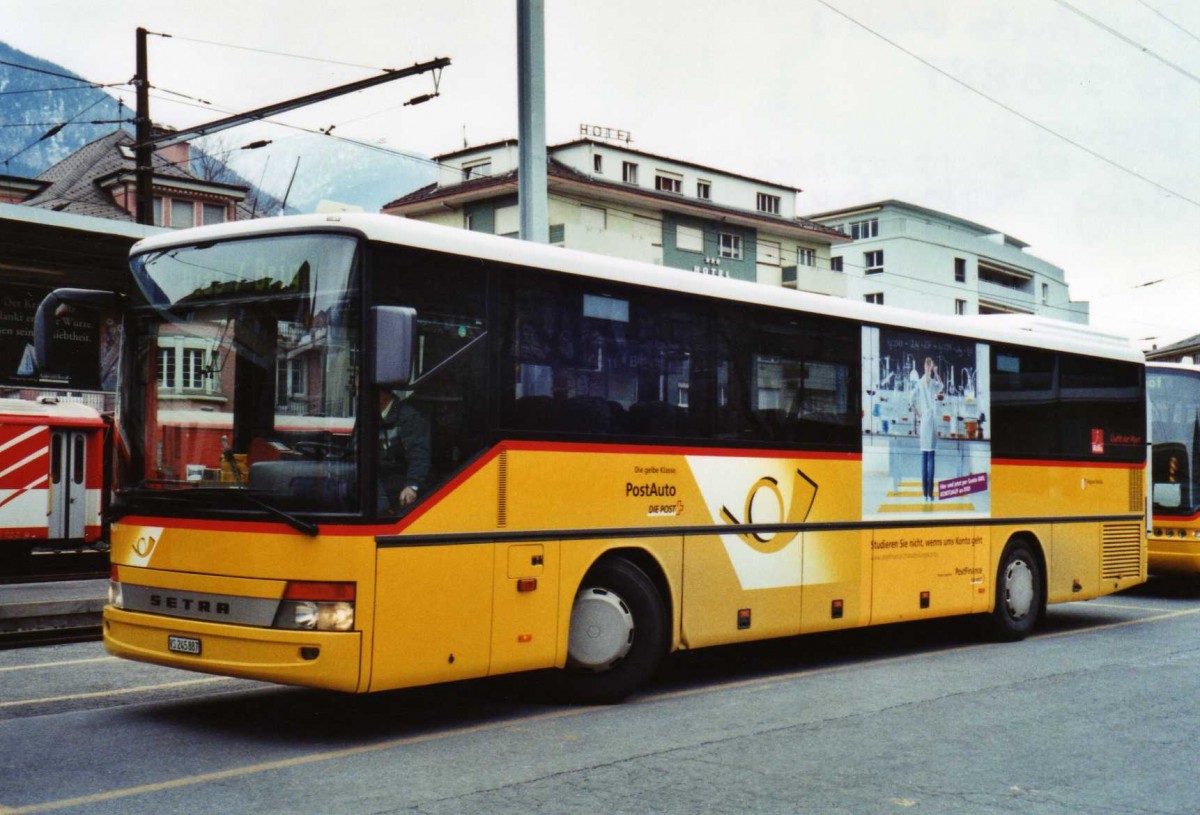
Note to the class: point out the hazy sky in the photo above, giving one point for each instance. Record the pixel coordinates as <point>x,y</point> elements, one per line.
<point>1086,149</point>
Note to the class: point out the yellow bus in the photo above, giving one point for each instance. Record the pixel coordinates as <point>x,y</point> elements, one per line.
<point>404,454</point>
<point>1174,392</point>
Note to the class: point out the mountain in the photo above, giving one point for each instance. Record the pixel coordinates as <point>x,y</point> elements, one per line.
<point>315,167</point>
<point>32,103</point>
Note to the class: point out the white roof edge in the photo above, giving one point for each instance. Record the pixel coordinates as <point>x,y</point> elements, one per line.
<point>83,223</point>
<point>1052,334</point>
<point>1175,366</point>
<point>59,410</point>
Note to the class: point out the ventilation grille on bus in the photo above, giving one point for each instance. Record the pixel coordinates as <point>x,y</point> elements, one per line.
<point>1121,551</point>
<point>1137,491</point>
<point>502,495</point>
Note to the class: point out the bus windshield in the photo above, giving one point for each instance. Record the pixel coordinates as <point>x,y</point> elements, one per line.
<point>1175,423</point>
<point>241,374</point>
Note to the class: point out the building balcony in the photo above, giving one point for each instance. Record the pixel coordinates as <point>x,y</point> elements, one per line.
<point>815,280</point>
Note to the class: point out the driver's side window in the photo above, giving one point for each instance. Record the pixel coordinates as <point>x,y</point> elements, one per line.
<point>430,429</point>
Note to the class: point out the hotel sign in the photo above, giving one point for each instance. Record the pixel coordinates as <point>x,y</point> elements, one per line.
<point>609,133</point>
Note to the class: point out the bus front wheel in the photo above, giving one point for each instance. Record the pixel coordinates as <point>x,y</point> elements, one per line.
<point>1018,593</point>
<point>618,633</point>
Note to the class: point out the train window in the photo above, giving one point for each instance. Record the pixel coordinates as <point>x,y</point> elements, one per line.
<point>77,460</point>
<point>55,458</point>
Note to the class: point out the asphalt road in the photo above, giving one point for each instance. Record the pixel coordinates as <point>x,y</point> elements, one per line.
<point>1096,713</point>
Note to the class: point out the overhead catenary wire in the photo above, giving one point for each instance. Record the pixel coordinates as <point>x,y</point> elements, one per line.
<point>72,77</point>
<point>1010,109</point>
<point>54,130</point>
<point>1169,20</point>
<point>1179,69</point>
<point>270,52</point>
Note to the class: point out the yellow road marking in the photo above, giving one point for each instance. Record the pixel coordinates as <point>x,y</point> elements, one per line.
<point>55,665</point>
<point>118,692</point>
<point>406,741</point>
<point>299,761</point>
<point>1165,616</point>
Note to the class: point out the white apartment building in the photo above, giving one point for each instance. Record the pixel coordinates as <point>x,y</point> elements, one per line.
<point>610,199</point>
<point>912,257</point>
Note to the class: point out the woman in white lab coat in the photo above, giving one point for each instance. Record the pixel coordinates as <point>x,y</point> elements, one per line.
<point>925,409</point>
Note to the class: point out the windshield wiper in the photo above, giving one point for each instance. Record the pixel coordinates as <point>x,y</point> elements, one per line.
<point>194,493</point>
<point>310,529</point>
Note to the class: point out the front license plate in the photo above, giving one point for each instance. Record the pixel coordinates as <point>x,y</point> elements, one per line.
<point>183,645</point>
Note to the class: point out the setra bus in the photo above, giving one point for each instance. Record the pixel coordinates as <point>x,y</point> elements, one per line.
<point>1174,540</point>
<point>604,461</point>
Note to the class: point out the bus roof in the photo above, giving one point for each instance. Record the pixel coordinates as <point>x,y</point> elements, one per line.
<point>1016,329</point>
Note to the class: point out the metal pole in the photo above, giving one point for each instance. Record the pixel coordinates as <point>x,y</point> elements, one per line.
<point>143,151</point>
<point>531,112</point>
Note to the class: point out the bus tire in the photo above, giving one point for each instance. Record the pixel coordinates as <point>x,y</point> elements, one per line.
<point>1018,592</point>
<point>618,634</point>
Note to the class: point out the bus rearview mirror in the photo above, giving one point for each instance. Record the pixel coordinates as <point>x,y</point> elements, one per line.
<point>394,332</point>
<point>45,319</point>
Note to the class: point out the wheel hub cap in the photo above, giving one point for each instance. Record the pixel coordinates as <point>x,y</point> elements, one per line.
<point>601,630</point>
<point>1018,589</point>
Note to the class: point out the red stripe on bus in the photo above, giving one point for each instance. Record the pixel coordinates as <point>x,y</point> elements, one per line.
<point>650,449</point>
<point>1045,462</point>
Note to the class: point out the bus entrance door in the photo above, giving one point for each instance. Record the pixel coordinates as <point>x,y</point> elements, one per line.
<point>68,464</point>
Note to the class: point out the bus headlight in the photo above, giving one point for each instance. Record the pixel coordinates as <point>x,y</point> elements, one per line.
<point>116,598</point>
<point>317,607</point>
<point>312,616</point>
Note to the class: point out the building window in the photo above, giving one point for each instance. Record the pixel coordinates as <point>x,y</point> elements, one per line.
<point>1045,293</point>
<point>183,214</point>
<point>193,369</point>
<point>730,246</point>
<point>873,262</point>
<point>806,257</point>
<point>668,182</point>
<point>835,264</point>
<point>597,163</point>
<point>864,229</point>
<point>689,238</point>
<point>874,297</point>
<point>768,203</point>
<point>477,169</point>
<point>185,365</point>
<point>629,172</point>
<point>960,306</point>
<point>158,211</point>
<point>166,367</point>
<point>960,270</point>
<point>214,214</point>
<point>704,190</point>
<point>291,379</point>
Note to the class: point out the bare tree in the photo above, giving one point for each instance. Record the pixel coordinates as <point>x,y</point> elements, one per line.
<point>209,163</point>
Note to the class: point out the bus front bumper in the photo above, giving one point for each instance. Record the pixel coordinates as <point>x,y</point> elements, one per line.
<point>316,659</point>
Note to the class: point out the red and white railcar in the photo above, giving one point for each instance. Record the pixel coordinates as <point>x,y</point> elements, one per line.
<point>51,473</point>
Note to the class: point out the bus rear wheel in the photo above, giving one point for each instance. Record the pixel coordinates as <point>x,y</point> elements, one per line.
<point>618,633</point>
<point>1018,593</point>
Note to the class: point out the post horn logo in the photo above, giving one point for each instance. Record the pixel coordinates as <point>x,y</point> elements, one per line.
<point>765,538</point>
<point>144,545</point>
